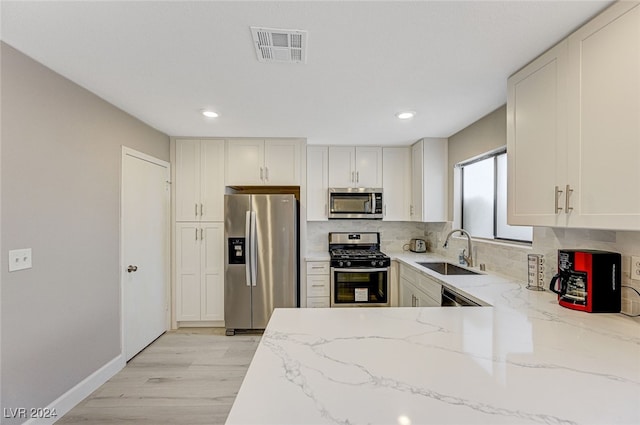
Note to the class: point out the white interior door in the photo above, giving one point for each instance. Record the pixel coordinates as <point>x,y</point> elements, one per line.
<point>145,249</point>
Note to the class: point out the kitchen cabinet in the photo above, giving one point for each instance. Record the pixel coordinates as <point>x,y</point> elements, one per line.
<point>317,183</point>
<point>355,166</point>
<point>199,259</point>
<point>199,180</point>
<point>396,183</point>
<point>271,162</point>
<point>537,140</point>
<point>418,290</point>
<point>573,125</point>
<point>604,121</point>
<point>429,176</point>
<point>318,284</point>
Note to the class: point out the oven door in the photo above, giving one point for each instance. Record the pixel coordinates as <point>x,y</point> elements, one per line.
<point>352,287</point>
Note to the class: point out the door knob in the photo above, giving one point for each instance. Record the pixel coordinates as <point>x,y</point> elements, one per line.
<point>132,269</point>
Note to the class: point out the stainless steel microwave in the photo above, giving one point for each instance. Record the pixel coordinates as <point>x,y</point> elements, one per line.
<point>355,202</point>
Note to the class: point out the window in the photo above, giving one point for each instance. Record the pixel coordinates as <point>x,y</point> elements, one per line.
<point>483,199</point>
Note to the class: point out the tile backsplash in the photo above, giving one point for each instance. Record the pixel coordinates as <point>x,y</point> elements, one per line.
<point>511,260</point>
<point>393,235</point>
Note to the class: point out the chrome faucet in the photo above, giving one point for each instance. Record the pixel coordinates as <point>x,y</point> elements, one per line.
<point>468,258</point>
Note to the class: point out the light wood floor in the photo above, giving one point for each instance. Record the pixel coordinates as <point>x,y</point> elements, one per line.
<point>185,377</point>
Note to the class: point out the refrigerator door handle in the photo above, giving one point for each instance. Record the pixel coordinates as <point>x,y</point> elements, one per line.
<point>247,263</point>
<point>254,249</point>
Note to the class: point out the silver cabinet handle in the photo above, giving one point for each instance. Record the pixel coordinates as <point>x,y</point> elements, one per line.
<point>410,209</point>
<point>266,173</point>
<point>196,209</point>
<point>357,176</point>
<point>132,269</point>
<point>201,209</point>
<point>353,177</point>
<point>201,234</point>
<point>558,193</point>
<point>196,234</point>
<point>261,174</point>
<point>567,208</point>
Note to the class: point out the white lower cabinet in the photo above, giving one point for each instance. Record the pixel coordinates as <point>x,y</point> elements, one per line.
<point>199,271</point>
<point>318,284</point>
<point>418,290</point>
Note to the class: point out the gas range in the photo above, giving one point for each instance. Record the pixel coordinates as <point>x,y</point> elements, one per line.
<point>357,250</point>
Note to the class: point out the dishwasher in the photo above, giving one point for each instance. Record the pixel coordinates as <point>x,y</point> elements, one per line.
<point>453,299</point>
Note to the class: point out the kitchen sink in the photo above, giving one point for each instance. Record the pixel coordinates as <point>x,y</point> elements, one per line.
<point>447,268</point>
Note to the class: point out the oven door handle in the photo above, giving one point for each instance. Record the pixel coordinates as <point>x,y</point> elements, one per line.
<point>362,270</point>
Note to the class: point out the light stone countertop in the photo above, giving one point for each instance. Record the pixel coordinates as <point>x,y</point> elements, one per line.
<point>525,359</point>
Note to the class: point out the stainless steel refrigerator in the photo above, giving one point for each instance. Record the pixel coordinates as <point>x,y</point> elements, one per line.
<point>261,258</point>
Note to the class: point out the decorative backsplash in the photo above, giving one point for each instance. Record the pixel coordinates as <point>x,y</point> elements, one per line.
<point>511,260</point>
<point>393,235</point>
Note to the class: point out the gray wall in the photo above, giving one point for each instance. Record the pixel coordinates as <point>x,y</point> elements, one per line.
<point>484,135</point>
<point>60,196</point>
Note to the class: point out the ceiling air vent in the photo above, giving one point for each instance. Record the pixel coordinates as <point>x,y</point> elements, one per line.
<point>277,45</point>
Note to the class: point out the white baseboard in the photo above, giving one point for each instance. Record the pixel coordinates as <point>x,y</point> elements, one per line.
<point>75,395</point>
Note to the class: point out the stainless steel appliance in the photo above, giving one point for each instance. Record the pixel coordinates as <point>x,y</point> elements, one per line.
<point>261,258</point>
<point>451,298</point>
<point>359,271</point>
<point>417,245</point>
<point>355,202</point>
<point>588,280</point>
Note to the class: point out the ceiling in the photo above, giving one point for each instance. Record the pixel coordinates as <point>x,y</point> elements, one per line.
<point>163,62</point>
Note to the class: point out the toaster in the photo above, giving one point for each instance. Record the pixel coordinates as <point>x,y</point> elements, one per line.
<point>417,245</point>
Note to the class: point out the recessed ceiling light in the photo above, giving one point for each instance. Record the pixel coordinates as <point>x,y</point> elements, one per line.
<point>210,114</point>
<point>405,115</point>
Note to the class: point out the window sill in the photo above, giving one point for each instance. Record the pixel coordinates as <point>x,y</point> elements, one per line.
<point>509,244</point>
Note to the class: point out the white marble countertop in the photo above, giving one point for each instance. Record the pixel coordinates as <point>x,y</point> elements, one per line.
<point>525,359</point>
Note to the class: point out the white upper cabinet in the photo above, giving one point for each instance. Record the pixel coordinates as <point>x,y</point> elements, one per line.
<point>199,180</point>
<point>536,141</point>
<point>271,162</point>
<point>604,120</point>
<point>355,167</point>
<point>317,183</point>
<point>429,195</point>
<point>396,183</point>
<point>573,128</point>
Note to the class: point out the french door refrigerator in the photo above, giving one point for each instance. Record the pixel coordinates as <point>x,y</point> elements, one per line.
<point>261,258</point>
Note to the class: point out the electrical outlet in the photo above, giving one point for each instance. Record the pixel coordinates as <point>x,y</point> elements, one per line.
<point>635,268</point>
<point>19,259</point>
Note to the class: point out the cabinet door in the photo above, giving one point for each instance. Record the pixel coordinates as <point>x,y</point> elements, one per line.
<point>187,272</point>
<point>187,182</point>
<point>317,183</point>
<point>406,294</point>
<point>396,183</point>
<point>435,195</point>
<point>342,171</point>
<point>212,180</point>
<point>369,167</point>
<point>245,162</point>
<point>604,120</point>
<point>417,153</point>
<point>212,271</point>
<point>424,300</point>
<point>536,141</point>
<point>282,162</point>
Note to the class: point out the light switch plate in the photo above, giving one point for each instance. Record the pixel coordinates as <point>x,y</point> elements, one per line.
<point>19,259</point>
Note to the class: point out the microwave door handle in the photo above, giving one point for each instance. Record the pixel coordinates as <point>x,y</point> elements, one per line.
<point>373,203</point>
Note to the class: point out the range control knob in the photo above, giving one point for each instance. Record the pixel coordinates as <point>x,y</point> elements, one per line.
<point>348,263</point>
<point>373,263</point>
<point>381,262</point>
<point>340,263</point>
